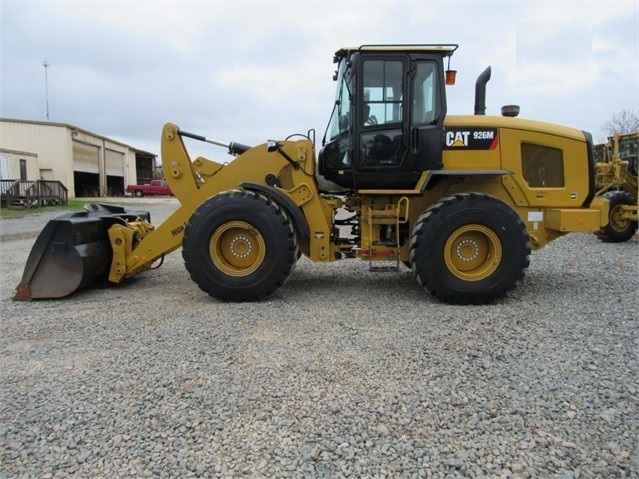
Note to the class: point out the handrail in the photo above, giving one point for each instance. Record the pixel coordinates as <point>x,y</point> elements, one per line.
<point>25,194</point>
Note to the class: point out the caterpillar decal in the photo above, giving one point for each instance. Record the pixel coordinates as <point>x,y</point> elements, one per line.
<point>471,139</point>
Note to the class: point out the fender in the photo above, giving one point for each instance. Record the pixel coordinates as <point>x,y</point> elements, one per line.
<point>292,210</point>
<point>450,173</point>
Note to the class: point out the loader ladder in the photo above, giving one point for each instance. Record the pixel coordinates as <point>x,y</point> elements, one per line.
<point>388,221</point>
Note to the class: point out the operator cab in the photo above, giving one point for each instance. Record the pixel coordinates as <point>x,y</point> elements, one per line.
<point>387,122</point>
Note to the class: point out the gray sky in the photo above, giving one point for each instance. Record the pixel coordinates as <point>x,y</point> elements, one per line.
<point>248,71</point>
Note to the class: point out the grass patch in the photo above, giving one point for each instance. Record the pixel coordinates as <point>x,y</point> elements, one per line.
<point>72,205</point>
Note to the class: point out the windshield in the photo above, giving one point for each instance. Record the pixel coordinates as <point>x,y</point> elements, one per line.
<point>340,119</point>
<point>628,146</point>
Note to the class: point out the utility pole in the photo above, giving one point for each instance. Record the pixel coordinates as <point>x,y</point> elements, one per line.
<point>45,64</point>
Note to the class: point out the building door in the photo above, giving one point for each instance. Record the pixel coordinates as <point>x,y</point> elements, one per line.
<point>114,165</point>
<point>86,169</point>
<point>4,168</point>
<point>4,174</point>
<point>23,170</point>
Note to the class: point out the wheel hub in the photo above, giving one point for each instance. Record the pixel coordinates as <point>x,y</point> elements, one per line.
<point>467,249</point>
<point>617,221</point>
<point>241,246</point>
<point>472,252</point>
<point>237,248</point>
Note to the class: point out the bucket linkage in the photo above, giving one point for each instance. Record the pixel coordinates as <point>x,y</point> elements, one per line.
<point>74,251</point>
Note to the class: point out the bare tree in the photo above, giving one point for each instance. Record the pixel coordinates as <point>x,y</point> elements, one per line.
<point>622,122</point>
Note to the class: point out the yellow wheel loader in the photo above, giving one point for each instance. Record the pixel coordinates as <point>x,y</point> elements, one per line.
<point>616,180</point>
<point>460,199</point>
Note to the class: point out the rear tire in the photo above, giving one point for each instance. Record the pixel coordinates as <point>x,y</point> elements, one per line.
<point>139,193</point>
<point>239,246</point>
<point>618,229</point>
<point>469,248</point>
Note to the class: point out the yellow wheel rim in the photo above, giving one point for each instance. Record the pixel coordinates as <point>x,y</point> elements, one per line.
<point>472,252</point>
<point>237,248</point>
<point>617,222</point>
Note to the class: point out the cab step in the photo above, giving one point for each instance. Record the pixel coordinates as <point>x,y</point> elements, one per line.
<point>384,226</point>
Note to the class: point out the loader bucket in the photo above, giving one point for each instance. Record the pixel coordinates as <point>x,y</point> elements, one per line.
<point>72,252</point>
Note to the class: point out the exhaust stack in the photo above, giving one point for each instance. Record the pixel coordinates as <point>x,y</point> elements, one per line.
<point>480,92</point>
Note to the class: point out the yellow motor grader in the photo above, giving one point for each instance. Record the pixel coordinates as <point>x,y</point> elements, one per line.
<point>460,199</point>
<point>616,180</point>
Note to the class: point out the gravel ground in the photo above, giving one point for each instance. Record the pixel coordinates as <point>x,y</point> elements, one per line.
<point>342,373</point>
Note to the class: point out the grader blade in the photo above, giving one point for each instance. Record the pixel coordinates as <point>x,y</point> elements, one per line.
<point>72,252</point>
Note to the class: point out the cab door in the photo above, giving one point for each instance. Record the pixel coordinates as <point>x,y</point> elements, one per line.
<point>427,112</point>
<point>381,124</point>
<point>398,128</point>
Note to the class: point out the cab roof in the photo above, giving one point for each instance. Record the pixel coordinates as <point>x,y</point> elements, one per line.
<point>444,49</point>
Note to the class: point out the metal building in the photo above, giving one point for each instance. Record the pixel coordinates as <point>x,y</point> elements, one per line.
<point>88,164</point>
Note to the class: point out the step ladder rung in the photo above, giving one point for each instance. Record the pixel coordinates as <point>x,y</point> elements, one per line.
<point>383,269</point>
<point>388,244</point>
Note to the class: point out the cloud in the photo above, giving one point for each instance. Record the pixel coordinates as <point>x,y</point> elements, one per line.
<point>247,71</point>
<point>542,62</point>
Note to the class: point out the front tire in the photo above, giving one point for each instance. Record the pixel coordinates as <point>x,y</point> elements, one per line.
<point>618,229</point>
<point>239,246</point>
<point>469,248</point>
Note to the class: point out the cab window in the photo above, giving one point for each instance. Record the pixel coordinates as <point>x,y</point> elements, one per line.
<point>383,92</point>
<point>341,117</point>
<point>426,108</point>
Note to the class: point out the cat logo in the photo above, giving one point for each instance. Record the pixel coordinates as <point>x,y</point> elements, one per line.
<point>471,138</point>
<point>457,138</point>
